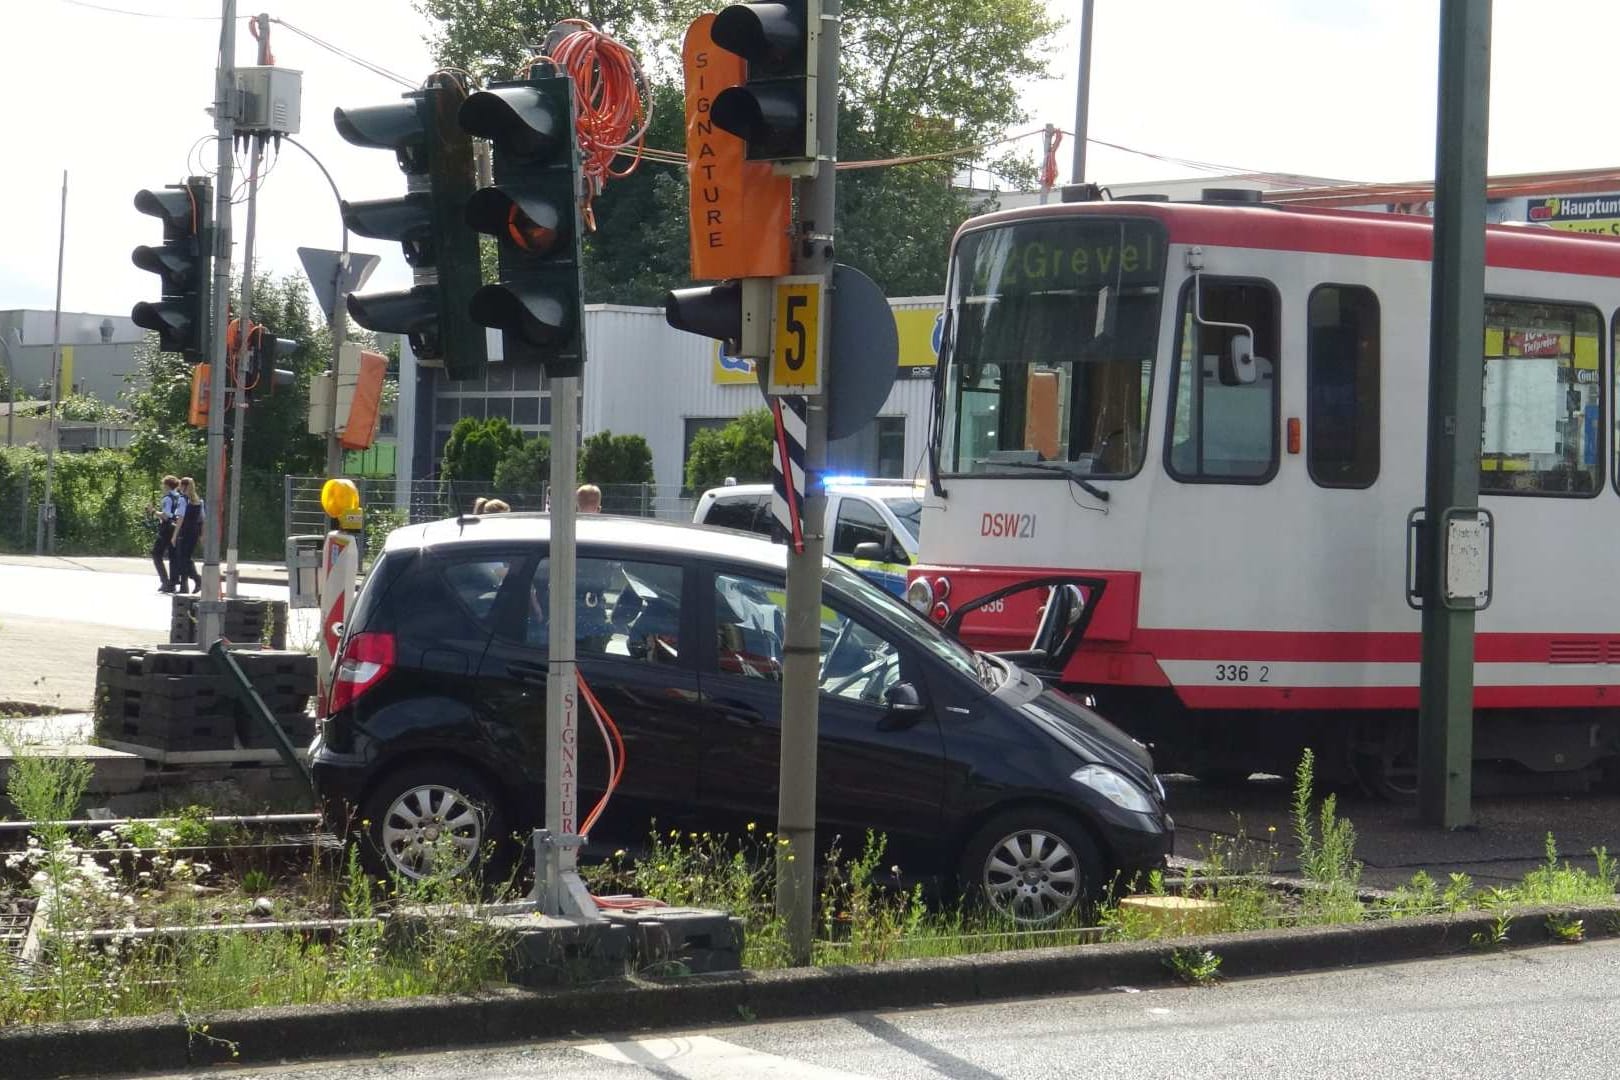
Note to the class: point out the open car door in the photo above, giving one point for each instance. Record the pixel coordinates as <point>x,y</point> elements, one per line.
<point>1064,615</point>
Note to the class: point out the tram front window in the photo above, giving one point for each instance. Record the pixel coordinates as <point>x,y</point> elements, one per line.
<point>1053,331</point>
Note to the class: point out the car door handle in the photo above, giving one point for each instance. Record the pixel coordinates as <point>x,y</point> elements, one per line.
<point>736,710</point>
<point>518,669</point>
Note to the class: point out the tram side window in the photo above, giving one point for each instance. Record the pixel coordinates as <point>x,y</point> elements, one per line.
<point>1223,424</point>
<point>1341,429</point>
<point>1543,399</point>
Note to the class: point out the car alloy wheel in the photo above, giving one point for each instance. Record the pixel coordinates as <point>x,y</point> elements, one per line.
<point>1032,876</point>
<point>432,820</point>
<point>432,830</point>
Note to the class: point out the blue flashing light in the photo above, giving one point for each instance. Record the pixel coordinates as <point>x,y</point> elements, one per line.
<point>851,480</point>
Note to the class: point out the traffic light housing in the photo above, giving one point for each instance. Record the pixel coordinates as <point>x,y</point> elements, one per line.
<point>533,214</point>
<point>436,157</point>
<point>264,349</point>
<point>774,111</point>
<point>182,263</point>
<point>736,312</point>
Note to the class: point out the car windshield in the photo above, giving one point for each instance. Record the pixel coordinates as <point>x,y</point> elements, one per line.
<point>908,508</point>
<point>919,629</point>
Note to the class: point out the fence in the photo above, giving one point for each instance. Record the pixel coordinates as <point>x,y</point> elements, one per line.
<point>434,500</point>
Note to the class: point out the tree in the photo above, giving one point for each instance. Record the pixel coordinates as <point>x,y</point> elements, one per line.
<point>606,458</point>
<point>275,436</point>
<point>524,467</point>
<point>476,447</point>
<point>740,450</point>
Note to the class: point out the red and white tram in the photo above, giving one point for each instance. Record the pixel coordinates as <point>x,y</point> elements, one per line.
<point>1213,415</point>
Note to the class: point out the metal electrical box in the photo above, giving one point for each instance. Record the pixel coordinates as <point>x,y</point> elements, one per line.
<point>270,100</point>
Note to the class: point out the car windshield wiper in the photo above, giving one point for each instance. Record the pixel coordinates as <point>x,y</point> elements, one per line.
<point>1073,477</point>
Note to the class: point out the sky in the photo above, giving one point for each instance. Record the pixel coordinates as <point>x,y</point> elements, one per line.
<point>1332,88</point>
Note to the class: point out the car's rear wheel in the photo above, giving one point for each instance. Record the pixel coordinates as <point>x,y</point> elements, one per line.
<point>1033,866</point>
<point>433,820</point>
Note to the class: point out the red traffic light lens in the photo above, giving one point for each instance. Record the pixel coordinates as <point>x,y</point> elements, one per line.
<point>527,234</point>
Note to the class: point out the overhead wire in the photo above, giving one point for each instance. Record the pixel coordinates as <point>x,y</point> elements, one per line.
<point>336,50</point>
<point>143,14</point>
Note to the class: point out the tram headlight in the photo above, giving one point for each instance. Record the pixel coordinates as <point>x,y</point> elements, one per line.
<point>920,595</point>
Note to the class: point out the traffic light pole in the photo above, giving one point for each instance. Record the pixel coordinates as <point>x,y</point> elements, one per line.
<point>1457,316</point>
<point>245,326</point>
<point>801,661</point>
<point>210,608</point>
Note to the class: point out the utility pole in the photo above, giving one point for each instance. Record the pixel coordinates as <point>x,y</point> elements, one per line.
<point>801,659</point>
<point>1082,102</point>
<point>210,608</point>
<point>339,324</point>
<point>46,527</point>
<point>1457,318</point>
<point>244,333</point>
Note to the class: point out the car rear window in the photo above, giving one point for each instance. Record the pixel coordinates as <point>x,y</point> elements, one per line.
<point>745,512</point>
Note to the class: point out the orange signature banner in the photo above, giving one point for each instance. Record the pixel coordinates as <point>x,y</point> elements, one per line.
<point>738,210</point>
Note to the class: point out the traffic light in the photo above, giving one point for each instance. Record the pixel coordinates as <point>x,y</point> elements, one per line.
<point>533,213</point>
<point>737,312</point>
<point>182,264</point>
<point>774,111</point>
<point>436,157</point>
<point>264,349</point>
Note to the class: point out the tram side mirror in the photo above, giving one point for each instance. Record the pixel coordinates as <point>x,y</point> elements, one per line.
<point>1238,366</point>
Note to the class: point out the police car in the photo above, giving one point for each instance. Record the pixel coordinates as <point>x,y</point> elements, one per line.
<point>884,513</point>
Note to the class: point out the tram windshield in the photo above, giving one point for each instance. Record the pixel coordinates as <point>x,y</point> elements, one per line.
<point>1052,325</point>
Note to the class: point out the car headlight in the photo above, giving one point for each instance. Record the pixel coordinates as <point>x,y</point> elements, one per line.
<point>920,595</point>
<point>1114,787</point>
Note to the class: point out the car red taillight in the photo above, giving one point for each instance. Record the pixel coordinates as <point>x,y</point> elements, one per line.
<point>365,659</point>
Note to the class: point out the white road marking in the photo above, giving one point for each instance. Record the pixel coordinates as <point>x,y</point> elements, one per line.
<point>702,1057</point>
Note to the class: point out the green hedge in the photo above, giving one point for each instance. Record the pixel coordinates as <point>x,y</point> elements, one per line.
<point>104,505</point>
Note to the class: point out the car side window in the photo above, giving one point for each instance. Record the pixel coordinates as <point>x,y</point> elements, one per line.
<point>626,609</point>
<point>858,523</point>
<point>476,584</point>
<point>857,662</point>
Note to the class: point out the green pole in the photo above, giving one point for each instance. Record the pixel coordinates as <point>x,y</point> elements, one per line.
<point>1456,363</point>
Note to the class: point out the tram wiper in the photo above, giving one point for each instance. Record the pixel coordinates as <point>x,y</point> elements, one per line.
<point>1100,494</point>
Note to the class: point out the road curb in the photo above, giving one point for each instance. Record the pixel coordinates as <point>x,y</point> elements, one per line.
<point>285,1033</point>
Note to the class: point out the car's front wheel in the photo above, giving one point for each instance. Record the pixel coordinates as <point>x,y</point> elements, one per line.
<point>1033,866</point>
<point>432,820</point>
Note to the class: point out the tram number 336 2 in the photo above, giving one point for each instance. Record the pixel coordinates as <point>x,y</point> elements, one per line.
<point>1242,673</point>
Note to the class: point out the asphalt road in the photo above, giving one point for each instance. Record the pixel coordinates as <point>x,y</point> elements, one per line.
<point>55,613</point>
<point>1547,1012</point>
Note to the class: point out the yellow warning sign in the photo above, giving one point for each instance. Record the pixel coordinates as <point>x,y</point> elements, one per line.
<point>796,360</point>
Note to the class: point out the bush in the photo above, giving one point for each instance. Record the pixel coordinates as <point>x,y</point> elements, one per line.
<point>102,501</point>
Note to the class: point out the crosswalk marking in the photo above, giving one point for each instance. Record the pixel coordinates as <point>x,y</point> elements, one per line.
<point>702,1057</point>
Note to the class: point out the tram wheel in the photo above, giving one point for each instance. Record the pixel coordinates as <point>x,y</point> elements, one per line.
<point>1388,768</point>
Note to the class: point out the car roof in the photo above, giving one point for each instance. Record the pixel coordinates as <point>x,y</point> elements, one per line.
<point>880,489</point>
<point>644,534</point>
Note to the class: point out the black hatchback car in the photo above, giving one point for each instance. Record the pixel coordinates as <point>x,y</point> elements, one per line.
<point>973,770</point>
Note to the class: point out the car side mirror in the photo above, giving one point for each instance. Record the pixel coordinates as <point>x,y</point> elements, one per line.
<point>871,551</point>
<point>904,707</point>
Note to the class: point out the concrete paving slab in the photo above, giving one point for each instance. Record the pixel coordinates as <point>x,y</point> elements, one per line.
<point>113,772</point>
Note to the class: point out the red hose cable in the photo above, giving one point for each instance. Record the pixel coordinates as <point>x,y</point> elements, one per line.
<point>616,750</point>
<point>614,113</point>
